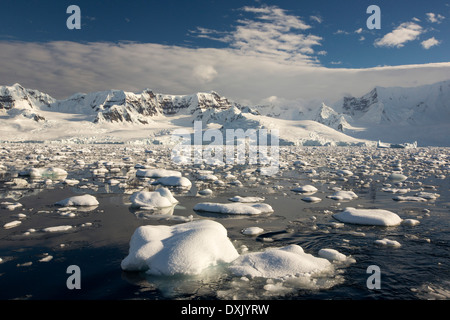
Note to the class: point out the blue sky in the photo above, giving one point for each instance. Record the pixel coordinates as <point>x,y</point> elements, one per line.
<point>127,40</point>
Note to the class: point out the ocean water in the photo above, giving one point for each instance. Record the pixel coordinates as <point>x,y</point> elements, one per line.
<point>98,238</point>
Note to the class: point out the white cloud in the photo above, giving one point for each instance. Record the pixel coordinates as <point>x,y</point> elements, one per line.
<point>427,44</point>
<point>271,31</point>
<point>405,32</point>
<point>63,68</point>
<point>358,31</point>
<point>316,19</point>
<point>434,18</point>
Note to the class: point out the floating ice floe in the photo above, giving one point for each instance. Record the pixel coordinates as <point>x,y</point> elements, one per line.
<point>410,222</point>
<point>234,208</point>
<point>86,200</point>
<point>388,243</point>
<point>397,177</point>
<point>305,189</point>
<point>160,198</point>
<point>187,248</point>
<point>205,192</point>
<point>57,228</point>
<point>246,199</point>
<point>157,173</point>
<point>52,173</point>
<point>343,195</point>
<point>252,231</point>
<point>173,181</point>
<point>312,199</point>
<point>332,255</point>
<point>12,224</point>
<point>378,217</point>
<point>279,263</point>
<point>11,205</point>
<point>409,198</point>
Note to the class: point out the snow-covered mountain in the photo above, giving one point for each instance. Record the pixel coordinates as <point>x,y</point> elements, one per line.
<point>400,106</point>
<point>139,108</point>
<point>16,101</point>
<point>392,114</point>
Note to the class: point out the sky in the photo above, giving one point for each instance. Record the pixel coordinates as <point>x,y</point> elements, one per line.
<point>250,51</point>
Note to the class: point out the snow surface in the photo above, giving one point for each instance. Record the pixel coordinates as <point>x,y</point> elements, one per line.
<point>187,248</point>
<point>376,217</point>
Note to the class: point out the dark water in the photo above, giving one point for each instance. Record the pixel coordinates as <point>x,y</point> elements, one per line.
<point>419,269</point>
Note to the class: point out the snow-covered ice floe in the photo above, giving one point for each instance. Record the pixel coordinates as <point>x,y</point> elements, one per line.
<point>377,217</point>
<point>174,181</point>
<point>343,195</point>
<point>276,263</point>
<point>160,198</point>
<point>234,208</point>
<point>157,173</point>
<point>246,199</point>
<point>84,200</point>
<point>305,189</point>
<point>187,248</point>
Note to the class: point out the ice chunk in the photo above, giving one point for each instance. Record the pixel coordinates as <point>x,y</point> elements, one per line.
<point>277,263</point>
<point>305,189</point>
<point>47,173</point>
<point>377,217</point>
<point>11,205</point>
<point>343,195</point>
<point>205,192</point>
<point>234,208</point>
<point>311,199</point>
<point>57,228</point>
<point>161,198</point>
<point>84,200</point>
<point>157,173</point>
<point>397,177</point>
<point>409,198</point>
<point>252,231</point>
<point>332,255</point>
<point>174,181</point>
<point>187,248</point>
<point>246,199</point>
<point>410,222</point>
<point>12,224</point>
<point>388,242</point>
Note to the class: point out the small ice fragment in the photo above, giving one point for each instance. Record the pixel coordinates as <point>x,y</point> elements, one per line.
<point>84,200</point>
<point>410,222</point>
<point>311,199</point>
<point>388,243</point>
<point>57,228</point>
<point>252,231</point>
<point>246,199</point>
<point>332,255</point>
<point>12,224</point>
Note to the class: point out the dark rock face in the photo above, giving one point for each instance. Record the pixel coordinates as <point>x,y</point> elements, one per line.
<point>353,105</point>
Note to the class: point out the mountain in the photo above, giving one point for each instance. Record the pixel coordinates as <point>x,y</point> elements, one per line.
<point>139,108</point>
<point>17,101</point>
<point>392,114</point>
<point>427,104</point>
